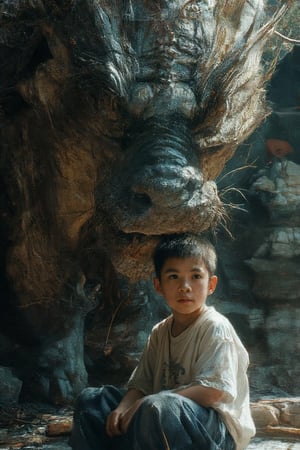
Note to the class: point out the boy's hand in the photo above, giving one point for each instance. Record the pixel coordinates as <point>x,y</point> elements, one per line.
<point>113,424</point>
<point>118,421</point>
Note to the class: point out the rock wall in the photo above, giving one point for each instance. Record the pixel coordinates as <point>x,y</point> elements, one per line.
<point>260,266</point>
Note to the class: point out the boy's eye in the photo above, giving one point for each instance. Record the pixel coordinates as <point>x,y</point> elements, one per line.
<point>173,276</point>
<point>196,276</point>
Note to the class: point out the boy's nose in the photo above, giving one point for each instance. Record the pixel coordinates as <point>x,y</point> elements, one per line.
<point>185,287</point>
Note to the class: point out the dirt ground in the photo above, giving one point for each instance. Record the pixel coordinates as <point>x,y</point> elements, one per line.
<point>43,427</point>
<point>35,426</point>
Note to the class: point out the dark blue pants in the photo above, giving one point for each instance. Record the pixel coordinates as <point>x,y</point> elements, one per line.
<point>164,421</point>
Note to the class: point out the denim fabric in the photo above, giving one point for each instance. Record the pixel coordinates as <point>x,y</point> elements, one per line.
<point>164,421</point>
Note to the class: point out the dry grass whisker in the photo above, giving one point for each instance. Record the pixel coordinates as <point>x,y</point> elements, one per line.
<point>232,189</point>
<point>237,169</point>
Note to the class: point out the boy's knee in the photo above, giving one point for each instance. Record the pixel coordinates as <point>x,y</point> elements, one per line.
<point>147,416</point>
<point>164,398</point>
<point>158,404</point>
<point>86,397</point>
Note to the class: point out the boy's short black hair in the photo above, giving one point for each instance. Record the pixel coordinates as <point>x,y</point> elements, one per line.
<point>184,246</point>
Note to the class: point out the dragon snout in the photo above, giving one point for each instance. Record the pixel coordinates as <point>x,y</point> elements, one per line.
<point>163,187</point>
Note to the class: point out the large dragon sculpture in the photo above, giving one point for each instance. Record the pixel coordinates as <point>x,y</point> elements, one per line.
<point>116,118</point>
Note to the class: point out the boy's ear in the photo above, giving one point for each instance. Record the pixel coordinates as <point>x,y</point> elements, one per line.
<point>157,285</point>
<point>213,281</point>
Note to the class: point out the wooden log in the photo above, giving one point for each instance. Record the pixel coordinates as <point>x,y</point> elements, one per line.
<point>286,432</point>
<point>59,426</point>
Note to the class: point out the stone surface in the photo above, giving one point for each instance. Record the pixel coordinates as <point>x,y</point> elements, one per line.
<point>10,387</point>
<point>281,180</point>
<point>275,265</point>
<point>273,444</point>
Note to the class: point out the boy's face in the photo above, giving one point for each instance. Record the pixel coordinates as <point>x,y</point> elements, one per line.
<point>185,284</point>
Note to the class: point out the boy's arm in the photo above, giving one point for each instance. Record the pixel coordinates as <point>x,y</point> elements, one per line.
<point>118,420</point>
<point>204,396</point>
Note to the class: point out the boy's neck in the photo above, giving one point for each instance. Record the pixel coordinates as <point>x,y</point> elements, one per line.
<point>182,321</point>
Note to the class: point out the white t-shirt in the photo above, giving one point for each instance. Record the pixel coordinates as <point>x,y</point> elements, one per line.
<point>208,353</point>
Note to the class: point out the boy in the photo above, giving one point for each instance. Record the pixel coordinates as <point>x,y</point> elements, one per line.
<point>190,388</point>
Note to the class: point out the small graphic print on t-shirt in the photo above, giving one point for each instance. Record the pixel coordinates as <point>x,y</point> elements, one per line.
<point>171,375</point>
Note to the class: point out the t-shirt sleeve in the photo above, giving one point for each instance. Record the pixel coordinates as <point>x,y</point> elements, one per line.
<point>142,376</point>
<point>217,367</point>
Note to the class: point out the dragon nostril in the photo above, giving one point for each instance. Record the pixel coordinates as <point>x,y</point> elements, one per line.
<point>191,186</point>
<point>139,202</point>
